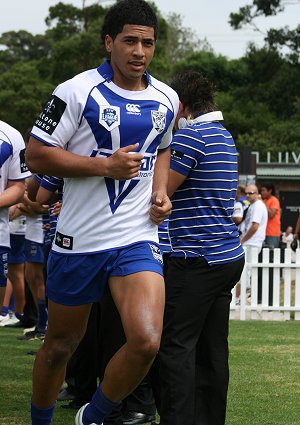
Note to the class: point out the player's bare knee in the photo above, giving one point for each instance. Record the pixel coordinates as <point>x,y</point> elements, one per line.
<point>147,348</point>
<point>59,351</point>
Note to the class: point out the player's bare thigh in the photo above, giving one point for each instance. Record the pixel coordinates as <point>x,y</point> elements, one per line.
<point>140,300</point>
<point>66,323</point>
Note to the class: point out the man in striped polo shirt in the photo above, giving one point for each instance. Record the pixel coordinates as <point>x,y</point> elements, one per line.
<point>206,261</point>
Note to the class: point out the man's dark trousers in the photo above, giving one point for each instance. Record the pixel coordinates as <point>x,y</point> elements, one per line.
<point>193,358</point>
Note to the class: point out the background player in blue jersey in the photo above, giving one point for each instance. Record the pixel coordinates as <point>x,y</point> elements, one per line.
<point>206,261</point>
<point>107,132</point>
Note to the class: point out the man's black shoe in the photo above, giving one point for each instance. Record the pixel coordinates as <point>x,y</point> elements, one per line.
<point>132,418</point>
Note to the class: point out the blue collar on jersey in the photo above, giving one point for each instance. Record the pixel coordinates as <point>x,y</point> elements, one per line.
<point>107,72</point>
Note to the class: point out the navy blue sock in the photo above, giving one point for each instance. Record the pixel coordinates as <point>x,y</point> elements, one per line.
<point>41,416</point>
<point>98,408</point>
<point>4,310</point>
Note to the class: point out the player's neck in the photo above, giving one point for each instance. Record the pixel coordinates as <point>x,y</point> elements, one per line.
<point>133,84</point>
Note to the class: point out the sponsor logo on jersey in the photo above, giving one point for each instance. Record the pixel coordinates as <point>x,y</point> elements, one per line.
<point>159,120</point>
<point>51,115</point>
<point>133,109</point>
<point>156,253</point>
<point>64,241</point>
<point>176,154</point>
<point>23,165</point>
<point>109,116</point>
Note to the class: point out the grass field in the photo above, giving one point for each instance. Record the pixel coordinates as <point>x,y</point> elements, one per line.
<point>264,386</point>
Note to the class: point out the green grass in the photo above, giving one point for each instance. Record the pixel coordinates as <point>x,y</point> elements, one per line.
<point>264,385</point>
<point>265,373</point>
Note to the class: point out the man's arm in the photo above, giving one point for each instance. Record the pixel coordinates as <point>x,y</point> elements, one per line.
<point>238,211</point>
<point>253,229</point>
<point>161,204</point>
<point>13,193</point>
<point>46,196</point>
<point>175,180</point>
<point>54,161</point>
<point>274,207</point>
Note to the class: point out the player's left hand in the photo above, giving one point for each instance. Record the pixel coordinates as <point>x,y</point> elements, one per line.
<point>161,207</point>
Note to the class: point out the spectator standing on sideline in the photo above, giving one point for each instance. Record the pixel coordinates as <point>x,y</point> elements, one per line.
<point>297,228</point>
<point>107,132</point>
<point>240,208</point>
<point>287,237</point>
<point>256,220</point>
<point>13,171</point>
<point>206,262</point>
<point>273,230</point>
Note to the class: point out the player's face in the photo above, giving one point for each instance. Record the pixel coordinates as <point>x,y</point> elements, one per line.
<point>131,53</point>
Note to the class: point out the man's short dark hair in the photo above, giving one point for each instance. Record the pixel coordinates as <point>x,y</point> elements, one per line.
<point>195,91</point>
<point>269,186</point>
<point>132,12</point>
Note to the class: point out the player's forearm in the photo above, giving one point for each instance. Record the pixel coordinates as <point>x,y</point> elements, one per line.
<point>12,194</point>
<point>54,161</point>
<point>161,171</point>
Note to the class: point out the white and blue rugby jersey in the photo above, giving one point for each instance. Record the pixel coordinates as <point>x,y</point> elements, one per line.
<point>201,223</point>
<point>12,167</point>
<point>89,115</point>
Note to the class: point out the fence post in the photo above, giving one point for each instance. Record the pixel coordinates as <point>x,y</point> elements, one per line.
<point>276,283</point>
<point>287,284</point>
<point>297,286</point>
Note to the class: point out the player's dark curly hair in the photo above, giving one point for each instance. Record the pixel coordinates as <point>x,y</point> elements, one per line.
<point>132,12</point>
<point>195,92</point>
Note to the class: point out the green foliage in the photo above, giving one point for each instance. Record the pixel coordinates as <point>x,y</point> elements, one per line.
<point>22,95</point>
<point>275,38</point>
<point>21,46</point>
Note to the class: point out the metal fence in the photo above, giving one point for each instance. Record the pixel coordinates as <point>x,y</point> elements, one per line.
<point>270,286</point>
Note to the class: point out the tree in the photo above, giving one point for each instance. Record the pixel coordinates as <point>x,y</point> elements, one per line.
<point>22,46</point>
<point>22,94</point>
<point>275,38</point>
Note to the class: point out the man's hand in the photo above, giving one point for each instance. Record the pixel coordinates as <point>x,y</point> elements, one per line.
<point>56,208</point>
<point>124,164</point>
<point>161,207</point>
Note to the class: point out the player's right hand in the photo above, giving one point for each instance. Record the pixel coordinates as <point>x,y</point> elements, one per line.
<point>124,164</point>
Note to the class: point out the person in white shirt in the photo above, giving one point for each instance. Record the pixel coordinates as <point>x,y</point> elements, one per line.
<point>256,219</point>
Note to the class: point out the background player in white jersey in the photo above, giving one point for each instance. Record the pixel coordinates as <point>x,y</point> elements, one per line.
<point>13,172</point>
<point>107,132</point>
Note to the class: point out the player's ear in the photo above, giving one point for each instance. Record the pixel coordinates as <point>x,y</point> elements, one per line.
<point>108,43</point>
